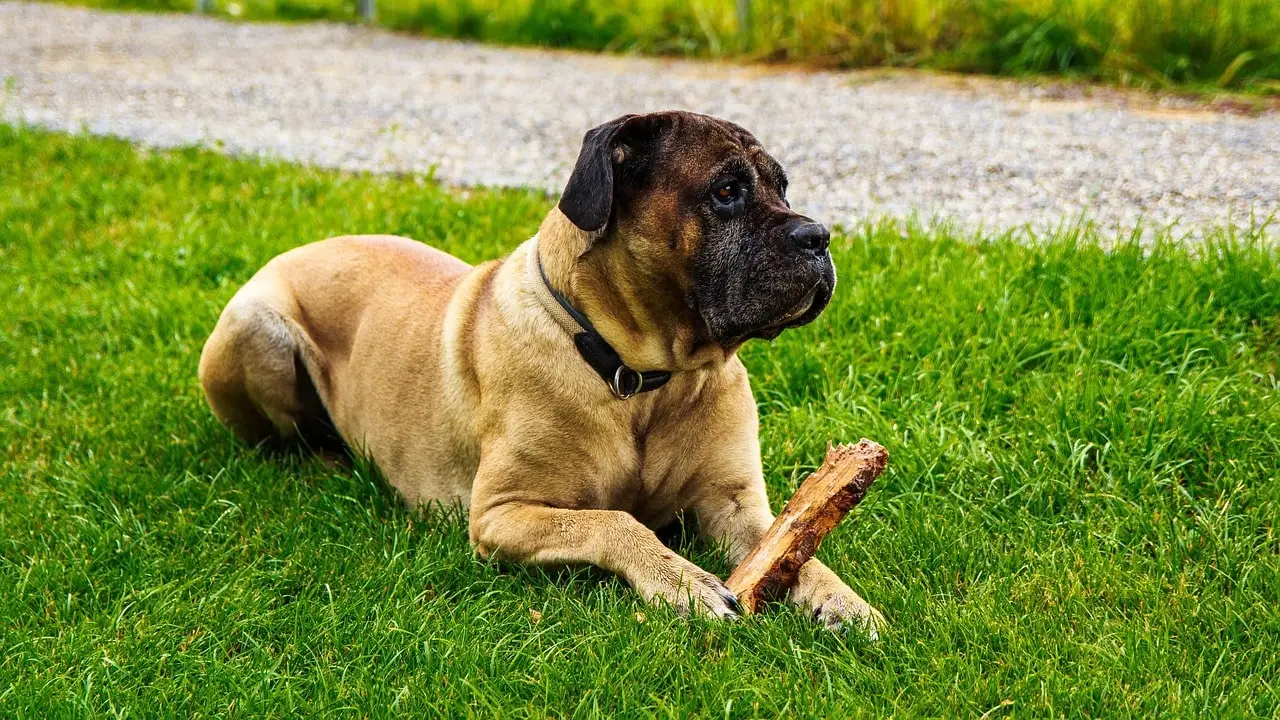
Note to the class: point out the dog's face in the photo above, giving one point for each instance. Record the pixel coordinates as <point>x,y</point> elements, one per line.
<point>702,210</point>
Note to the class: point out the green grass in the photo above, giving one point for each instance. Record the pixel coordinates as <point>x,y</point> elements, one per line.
<point>1081,517</point>
<point>1199,44</point>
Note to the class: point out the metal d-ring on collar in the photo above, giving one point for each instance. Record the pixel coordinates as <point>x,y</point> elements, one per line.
<point>600,355</point>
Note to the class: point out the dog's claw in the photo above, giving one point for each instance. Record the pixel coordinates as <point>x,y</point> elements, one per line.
<point>849,620</point>
<point>692,590</point>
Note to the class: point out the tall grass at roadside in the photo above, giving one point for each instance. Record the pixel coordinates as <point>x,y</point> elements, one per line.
<point>1081,516</point>
<point>1203,43</point>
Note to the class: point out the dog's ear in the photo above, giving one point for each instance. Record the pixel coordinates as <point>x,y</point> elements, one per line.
<point>588,197</point>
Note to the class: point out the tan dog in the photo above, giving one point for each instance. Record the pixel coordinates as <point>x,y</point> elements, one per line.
<point>508,387</point>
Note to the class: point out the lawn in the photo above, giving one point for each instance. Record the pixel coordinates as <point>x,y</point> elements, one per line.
<point>1081,515</point>
<point>1204,44</point>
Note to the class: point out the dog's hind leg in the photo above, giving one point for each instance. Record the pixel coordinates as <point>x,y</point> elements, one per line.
<point>255,370</point>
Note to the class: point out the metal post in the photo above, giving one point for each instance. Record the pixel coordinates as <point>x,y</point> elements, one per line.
<point>367,10</point>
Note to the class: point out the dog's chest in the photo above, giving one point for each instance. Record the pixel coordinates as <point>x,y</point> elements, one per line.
<point>648,476</point>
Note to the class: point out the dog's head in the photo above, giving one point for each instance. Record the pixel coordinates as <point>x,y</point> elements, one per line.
<point>703,209</point>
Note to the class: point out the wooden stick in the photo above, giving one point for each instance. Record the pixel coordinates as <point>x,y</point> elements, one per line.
<point>821,501</point>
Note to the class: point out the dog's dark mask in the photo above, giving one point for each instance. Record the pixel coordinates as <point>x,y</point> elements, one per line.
<point>704,190</point>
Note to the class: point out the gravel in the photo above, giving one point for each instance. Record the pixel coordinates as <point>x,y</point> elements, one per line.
<point>980,153</point>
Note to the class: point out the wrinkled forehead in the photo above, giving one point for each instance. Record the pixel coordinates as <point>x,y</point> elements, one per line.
<point>701,149</point>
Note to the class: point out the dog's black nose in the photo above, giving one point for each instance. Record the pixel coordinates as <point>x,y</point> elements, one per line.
<point>810,236</point>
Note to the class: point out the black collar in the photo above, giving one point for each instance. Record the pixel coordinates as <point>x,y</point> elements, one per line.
<point>600,355</point>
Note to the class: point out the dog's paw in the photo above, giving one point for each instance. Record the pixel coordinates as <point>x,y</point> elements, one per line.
<point>842,612</point>
<point>690,590</point>
<point>833,603</point>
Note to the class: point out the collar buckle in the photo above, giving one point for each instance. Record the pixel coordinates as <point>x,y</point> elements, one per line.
<point>626,382</point>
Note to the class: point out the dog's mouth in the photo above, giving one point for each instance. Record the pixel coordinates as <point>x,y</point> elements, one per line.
<point>763,304</point>
<point>801,312</point>
<point>790,317</point>
<point>799,309</point>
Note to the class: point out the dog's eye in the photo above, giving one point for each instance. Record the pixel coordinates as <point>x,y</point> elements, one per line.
<point>728,193</point>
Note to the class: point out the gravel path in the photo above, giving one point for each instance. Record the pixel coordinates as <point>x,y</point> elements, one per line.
<point>856,144</point>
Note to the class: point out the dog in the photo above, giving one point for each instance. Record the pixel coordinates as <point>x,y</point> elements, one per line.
<point>576,394</point>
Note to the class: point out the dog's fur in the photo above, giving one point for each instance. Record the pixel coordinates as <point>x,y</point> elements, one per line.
<point>463,389</point>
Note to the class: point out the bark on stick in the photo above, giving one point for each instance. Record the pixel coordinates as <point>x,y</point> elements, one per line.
<point>821,501</point>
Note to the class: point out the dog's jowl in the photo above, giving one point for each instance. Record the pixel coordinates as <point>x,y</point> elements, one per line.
<point>575,394</point>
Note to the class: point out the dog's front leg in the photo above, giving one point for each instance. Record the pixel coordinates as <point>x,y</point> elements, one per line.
<point>609,539</point>
<point>737,517</point>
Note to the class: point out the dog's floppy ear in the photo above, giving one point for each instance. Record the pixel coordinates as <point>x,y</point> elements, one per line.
<point>588,197</point>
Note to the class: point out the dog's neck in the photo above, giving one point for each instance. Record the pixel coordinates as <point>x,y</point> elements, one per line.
<point>646,320</point>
